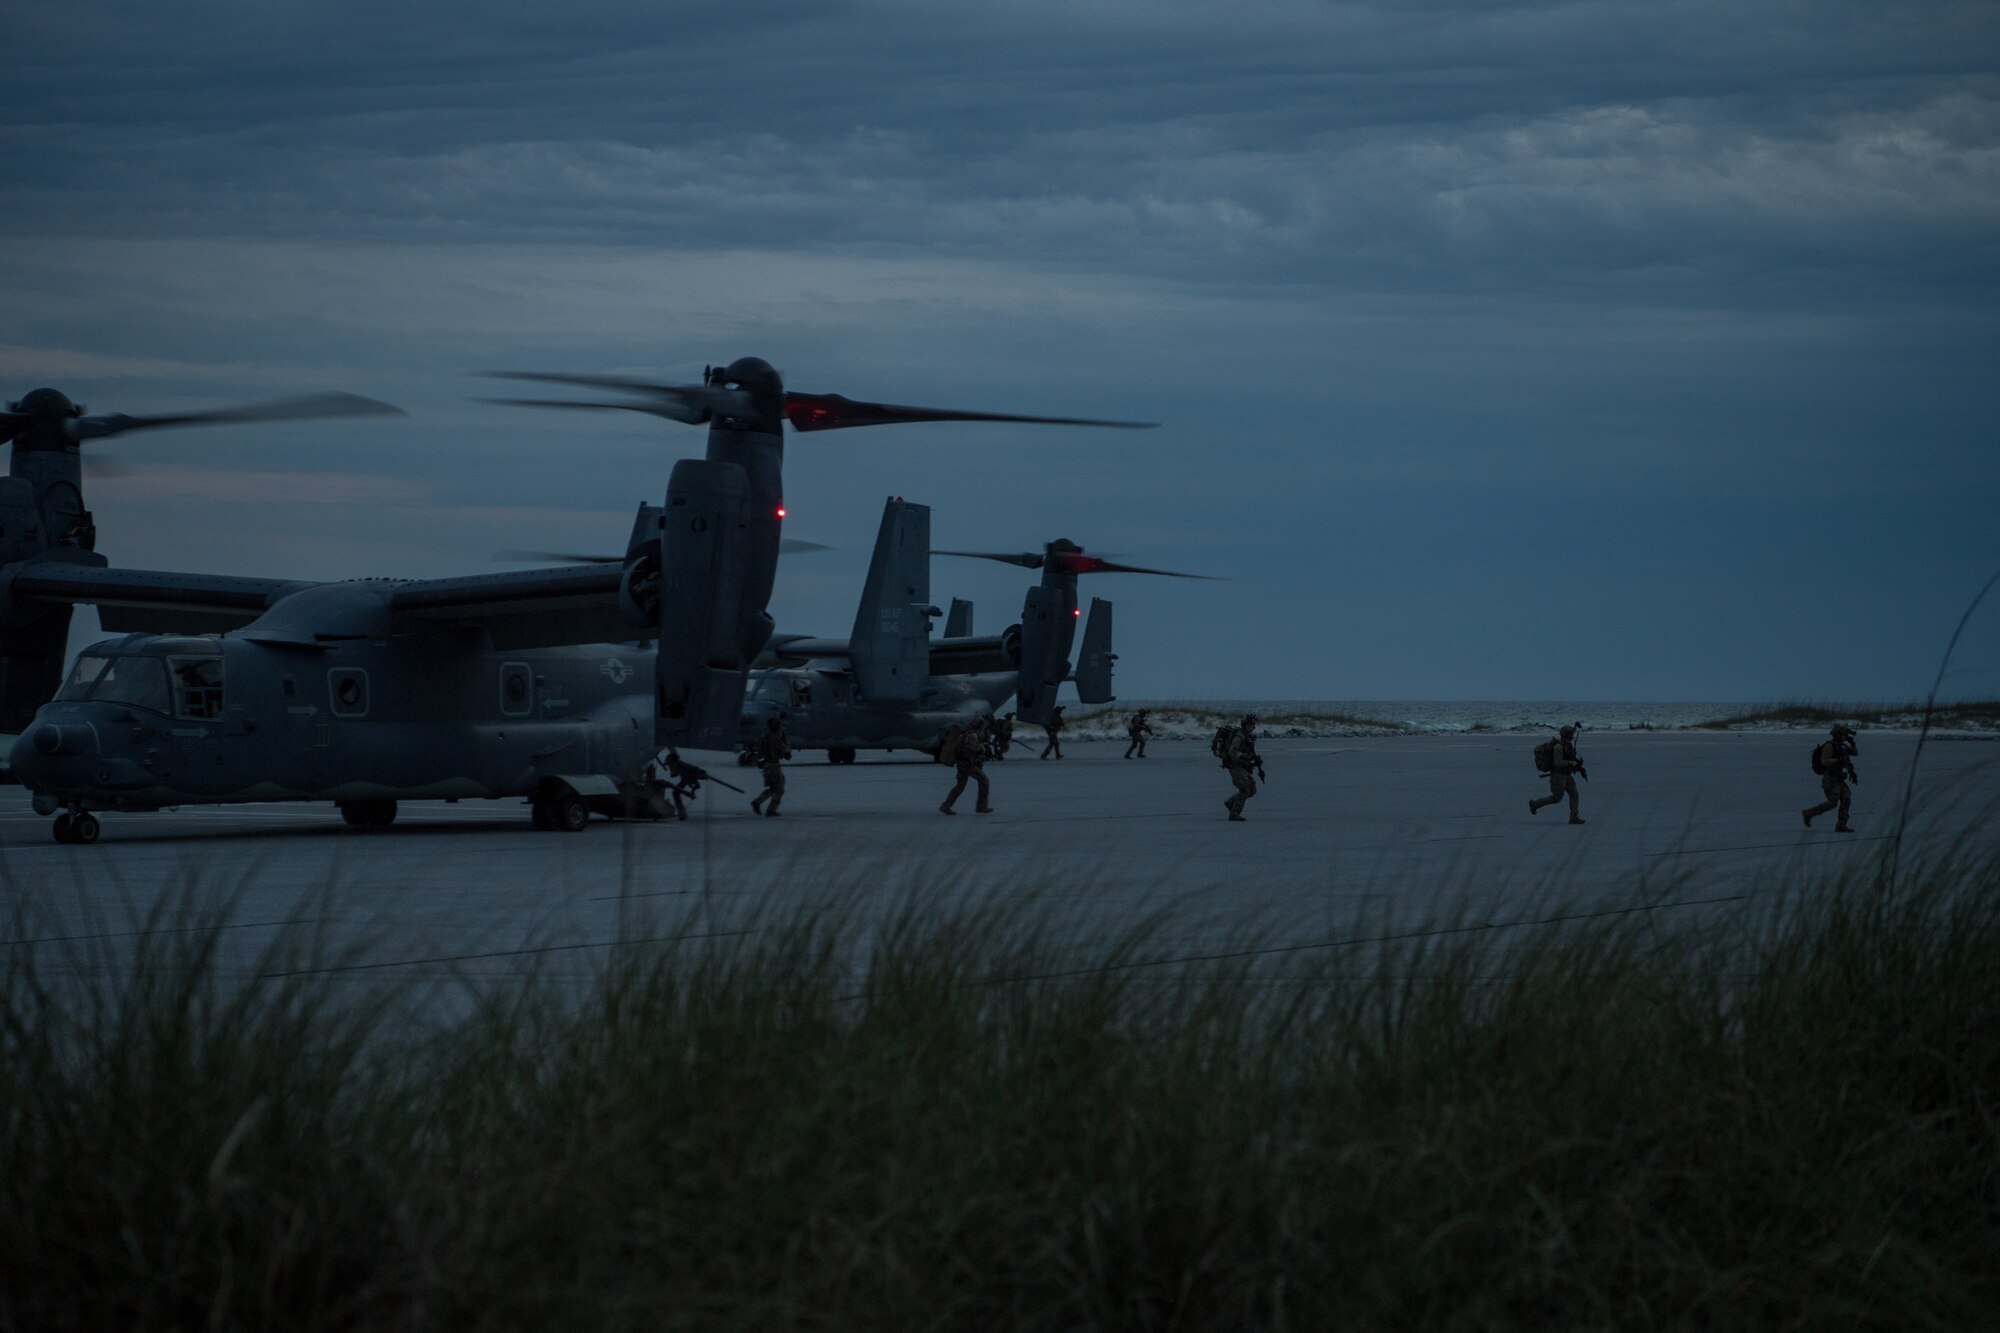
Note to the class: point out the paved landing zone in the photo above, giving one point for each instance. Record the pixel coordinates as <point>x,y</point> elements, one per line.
<point>1350,837</point>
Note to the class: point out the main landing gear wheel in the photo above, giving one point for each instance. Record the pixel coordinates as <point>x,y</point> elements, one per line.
<point>544,814</point>
<point>840,756</point>
<point>368,814</point>
<point>80,828</point>
<point>568,813</point>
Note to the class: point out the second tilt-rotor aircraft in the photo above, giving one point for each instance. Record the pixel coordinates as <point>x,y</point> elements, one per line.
<point>891,686</point>
<point>365,692</point>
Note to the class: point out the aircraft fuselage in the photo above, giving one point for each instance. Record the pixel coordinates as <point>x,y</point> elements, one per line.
<point>151,721</point>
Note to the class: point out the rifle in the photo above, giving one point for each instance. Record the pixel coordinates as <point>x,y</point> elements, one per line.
<point>684,771</point>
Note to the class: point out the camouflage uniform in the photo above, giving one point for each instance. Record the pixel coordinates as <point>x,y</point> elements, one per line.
<point>1562,779</point>
<point>1003,736</point>
<point>771,748</point>
<point>1239,756</point>
<point>1837,767</point>
<point>1138,731</point>
<point>686,782</point>
<point>970,757</point>
<point>1054,728</point>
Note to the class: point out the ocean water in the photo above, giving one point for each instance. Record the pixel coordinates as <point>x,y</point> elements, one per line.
<point>1441,715</point>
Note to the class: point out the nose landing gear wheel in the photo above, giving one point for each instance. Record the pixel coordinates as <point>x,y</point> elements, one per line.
<point>368,814</point>
<point>80,829</point>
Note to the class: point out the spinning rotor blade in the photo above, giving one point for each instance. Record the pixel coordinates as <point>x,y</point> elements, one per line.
<point>280,409</point>
<point>554,558</point>
<point>688,403</point>
<point>696,403</point>
<point>1078,563</point>
<point>1026,560</point>
<point>831,411</point>
<point>669,411</point>
<point>789,545</point>
<point>1074,562</point>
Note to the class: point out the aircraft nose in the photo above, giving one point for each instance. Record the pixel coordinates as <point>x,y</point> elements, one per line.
<point>52,740</point>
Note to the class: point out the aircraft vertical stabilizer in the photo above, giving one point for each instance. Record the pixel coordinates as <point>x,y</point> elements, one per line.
<point>1093,666</point>
<point>890,649</point>
<point>958,625</point>
<point>708,634</point>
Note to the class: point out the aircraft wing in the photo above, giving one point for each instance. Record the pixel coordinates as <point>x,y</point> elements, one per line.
<point>796,649</point>
<point>969,656</point>
<point>151,600</point>
<point>530,608</point>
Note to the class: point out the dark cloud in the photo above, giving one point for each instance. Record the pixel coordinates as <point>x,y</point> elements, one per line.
<point>1400,278</point>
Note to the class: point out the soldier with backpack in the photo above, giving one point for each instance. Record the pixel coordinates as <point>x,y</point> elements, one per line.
<point>1833,760</point>
<point>1138,731</point>
<point>965,747</point>
<point>1236,747</point>
<point>1558,759</point>
<point>770,750</point>
<point>1054,728</point>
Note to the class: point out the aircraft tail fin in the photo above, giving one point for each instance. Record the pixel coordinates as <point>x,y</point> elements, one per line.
<point>34,636</point>
<point>1047,628</point>
<point>1093,665</point>
<point>707,612</point>
<point>958,625</point>
<point>890,649</point>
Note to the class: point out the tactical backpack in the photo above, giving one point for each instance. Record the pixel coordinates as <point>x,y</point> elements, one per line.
<point>1545,757</point>
<point>1218,744</point>
<point>1819,764</point>
<point>954,736</point>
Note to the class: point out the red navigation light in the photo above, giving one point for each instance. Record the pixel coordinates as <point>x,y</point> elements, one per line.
<point>1076,610</point>
<point>781,511</point>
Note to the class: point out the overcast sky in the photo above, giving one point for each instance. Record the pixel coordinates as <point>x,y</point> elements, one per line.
<point>1589,351</point>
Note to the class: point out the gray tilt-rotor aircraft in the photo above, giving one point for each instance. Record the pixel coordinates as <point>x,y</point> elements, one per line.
<point>891,686</point>
<point>370,691</point>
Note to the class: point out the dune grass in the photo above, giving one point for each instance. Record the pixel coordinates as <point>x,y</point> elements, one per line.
<point>1983,715</point>
<point>1776,1114</point>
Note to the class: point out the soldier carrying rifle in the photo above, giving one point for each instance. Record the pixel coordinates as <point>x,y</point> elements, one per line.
<point>1236,747</point>
<point>1833,760</point>
<point>1558,758</point>
<point>683,781</point>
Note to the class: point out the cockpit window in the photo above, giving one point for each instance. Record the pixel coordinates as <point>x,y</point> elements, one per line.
<point>140,682</point>
<point>197,686</point>
<point>82,676</point>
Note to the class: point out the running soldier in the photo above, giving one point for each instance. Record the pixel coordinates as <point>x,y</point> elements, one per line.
<point>1138,731</point>
<point>1238,749</point>
<point>1054,728</point>
<point>771,750</point>
<point>1564,765</point>
<point>968,751</point>
<point>1833,760</point>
